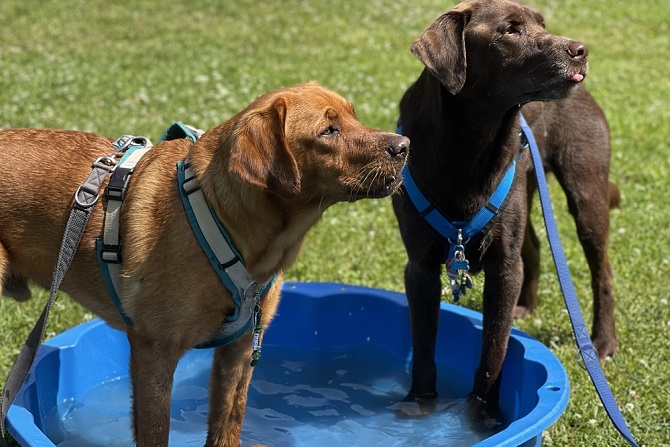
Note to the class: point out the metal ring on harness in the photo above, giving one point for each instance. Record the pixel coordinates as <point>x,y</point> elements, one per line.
<point>104,162</point>
<point>130,140</point>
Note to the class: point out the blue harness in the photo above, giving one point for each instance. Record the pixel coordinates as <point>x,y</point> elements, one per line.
<point>212,236</point>
<point>459,233</point>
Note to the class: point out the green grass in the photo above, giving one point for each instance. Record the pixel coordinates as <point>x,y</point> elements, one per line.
<point>134,67</point>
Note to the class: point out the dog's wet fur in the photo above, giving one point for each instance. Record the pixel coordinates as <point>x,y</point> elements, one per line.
<point>485,61</point>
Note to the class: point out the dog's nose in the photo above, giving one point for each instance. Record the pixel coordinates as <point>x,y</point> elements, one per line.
<point>398,146</point>
<point>577,50</point>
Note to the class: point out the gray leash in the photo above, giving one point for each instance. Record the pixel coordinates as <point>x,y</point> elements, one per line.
<point>84,199</point>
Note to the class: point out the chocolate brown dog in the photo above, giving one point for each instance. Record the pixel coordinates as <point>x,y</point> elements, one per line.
<point>268,174</point>
<point>484,60</point>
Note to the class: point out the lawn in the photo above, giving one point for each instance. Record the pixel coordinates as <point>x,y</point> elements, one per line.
<point>136,66</point>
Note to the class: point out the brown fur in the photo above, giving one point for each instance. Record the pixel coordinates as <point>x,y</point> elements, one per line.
<point>484,59</point>
<point>269,173</point>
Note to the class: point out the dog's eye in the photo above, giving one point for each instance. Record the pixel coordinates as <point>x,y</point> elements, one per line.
<point>331,130</point>
<point>511,29</point>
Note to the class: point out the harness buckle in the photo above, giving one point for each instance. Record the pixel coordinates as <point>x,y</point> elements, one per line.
<point>111,253</point>
<point>118,183</point>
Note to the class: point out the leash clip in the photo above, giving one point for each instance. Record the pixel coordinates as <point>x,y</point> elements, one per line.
<point>105,162</point>
<point>89,190</point>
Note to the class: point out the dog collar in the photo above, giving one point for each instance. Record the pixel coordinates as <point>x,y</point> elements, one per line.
<point>458,233</point>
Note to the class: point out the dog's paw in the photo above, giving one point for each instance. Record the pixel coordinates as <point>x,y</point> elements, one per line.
<point>481,418</point>
<point>415,407</point>
<point>606,347</point>
<point>520,312</point>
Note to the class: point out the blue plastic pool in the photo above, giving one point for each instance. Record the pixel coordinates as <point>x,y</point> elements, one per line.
<point>335,366</point>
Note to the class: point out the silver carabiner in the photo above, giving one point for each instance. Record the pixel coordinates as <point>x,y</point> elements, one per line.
<point>125,141</point>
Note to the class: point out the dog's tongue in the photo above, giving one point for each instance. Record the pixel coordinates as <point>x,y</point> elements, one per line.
<point>577,77</point>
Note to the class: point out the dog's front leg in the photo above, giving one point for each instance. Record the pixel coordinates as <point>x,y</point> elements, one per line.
<point>152,367</point>
<point>228,387</point>
<point>423,289</point>
<point>501,290</point>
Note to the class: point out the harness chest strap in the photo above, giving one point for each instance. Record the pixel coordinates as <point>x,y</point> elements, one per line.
<point>223,256</point>
<point>468,229</point>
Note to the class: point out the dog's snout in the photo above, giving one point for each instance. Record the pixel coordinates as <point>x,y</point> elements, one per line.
<point>577,50</point>
<point>398,146</point>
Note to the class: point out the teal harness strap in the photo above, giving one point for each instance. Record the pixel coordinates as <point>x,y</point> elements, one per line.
<point>224,259</point>
<point>109,246</point>
<point>212,236</point>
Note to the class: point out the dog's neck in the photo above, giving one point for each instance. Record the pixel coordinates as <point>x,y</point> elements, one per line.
<point>471,140</point>
<point>266,230</point>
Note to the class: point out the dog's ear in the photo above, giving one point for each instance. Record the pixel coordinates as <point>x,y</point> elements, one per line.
<point>260,155</point>
<point>441,48</point>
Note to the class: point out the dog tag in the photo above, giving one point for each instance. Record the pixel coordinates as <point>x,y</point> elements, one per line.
<point>466,283</point>
<point>256,341</point>
<point>456,265</point>
<point>454,282</point>
<point>457,272</point>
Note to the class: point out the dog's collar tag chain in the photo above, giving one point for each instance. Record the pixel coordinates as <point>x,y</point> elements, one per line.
<point>457,269</point>
<point>258,328</point>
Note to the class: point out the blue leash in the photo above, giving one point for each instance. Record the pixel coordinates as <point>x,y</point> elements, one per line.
<point>587,351</point>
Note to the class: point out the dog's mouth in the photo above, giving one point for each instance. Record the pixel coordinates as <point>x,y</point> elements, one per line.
<point>577,77</point>
<point>561,85</point>
<point>390,186</point>
<point>382,187</point>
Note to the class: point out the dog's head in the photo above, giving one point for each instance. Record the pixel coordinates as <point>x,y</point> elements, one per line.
<point>500,49</point>
<point>305,143</point>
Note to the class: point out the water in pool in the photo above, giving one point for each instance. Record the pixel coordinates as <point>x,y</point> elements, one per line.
<point>298,397</point>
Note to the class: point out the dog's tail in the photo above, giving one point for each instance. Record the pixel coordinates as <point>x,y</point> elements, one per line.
<point>615,196</point>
